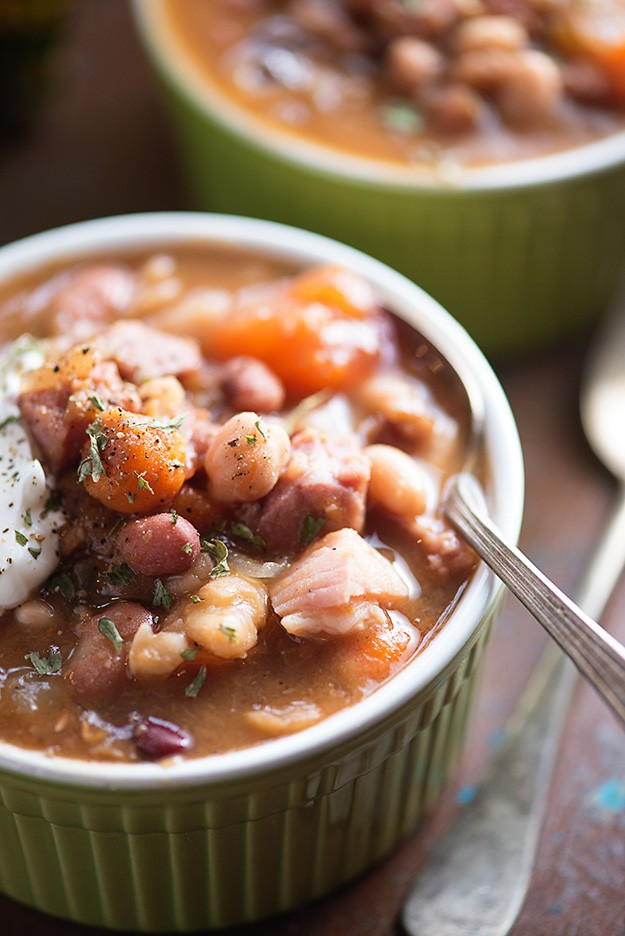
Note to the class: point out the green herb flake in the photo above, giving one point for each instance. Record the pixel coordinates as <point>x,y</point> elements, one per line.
<point>218,551</point>
<point>161,597</point>
<point>196,599</point>
<point>401,117</point>
<point>120,575</point>
<point>53,503</point>
<point>242,532</point>
<point>142,483</point>
<point>49,665</point>
<point>189,653</point>
<point>310,528</point>
<point>188,549</point>
<point>167,425</point>
<point>20,538</point>
<point>108,629</point>
<point>260,429</point>
<point>228,632</point>
<point>61,584</point>
<point>193,689</point>
<point>251,439</point>
<point>27,518</point>
<point>92,466</point>
<point>97,401</point>
<point>174,517</point>
<point>35,551</point>
<point>8,421</point>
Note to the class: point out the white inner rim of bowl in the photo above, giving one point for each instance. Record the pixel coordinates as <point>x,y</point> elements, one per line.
<point>188,76</point>
<point>159,230</point>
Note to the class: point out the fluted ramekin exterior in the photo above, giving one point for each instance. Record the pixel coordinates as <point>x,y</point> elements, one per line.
<point>518,265</point>
<point>203,858</point>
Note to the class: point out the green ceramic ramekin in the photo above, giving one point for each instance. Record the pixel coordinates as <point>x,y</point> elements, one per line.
<point>521,253</point>
<point>236,837</point>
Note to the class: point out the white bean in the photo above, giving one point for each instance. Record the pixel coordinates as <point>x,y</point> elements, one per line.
<point>227,619</point>
<point>156,654</point>
<point>397,484</point>
<point>246,458</point>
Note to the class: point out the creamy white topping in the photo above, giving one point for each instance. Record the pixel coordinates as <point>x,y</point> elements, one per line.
<point>28,529</point>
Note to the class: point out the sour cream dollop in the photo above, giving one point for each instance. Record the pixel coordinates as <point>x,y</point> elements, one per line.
<point>28,528</point>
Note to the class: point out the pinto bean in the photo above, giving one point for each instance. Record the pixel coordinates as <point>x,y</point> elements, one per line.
<point>246,458</point>
<point>453,108</point>
<point>96,672</point>
<point>412,64</point>
<point>490,32</point>
<point>251,385</point>
<point>531,93</point>
<point>164,544</point>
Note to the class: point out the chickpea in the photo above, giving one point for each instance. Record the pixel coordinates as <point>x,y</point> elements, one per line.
<point>530,94</point>
<point>156,654</point>
<point>490,32</point>
<point>246,458</point>
<point>412,64</point>
<point>227,619</point>
<point>162,396</point>
<point>398,483</point>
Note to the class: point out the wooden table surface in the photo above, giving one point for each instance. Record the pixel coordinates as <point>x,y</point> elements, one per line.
<point>101,147</point>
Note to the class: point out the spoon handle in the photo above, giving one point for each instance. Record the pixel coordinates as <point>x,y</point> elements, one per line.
<point>598,656</point>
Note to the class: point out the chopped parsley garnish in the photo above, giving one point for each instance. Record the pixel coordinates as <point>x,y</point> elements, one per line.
<point>167,424</point>
<point>310,528</point>
<point>188,549</point>
<point>108,629</point>
<point>242,531</point>
<point>48,665</point>
<point>52,503</point>
<point>8,421</point>
<point>260,429</point>
<point>92,465</point>
<point>194,687</point>
<point>35,551</point>
<point>174,516</point>
<point>402,117</point>
<point>120,575</point>
<point>189,653</point>
<point>20,538</point>
<point>218,551</point>
<point>161,597</point>
<point>196,599</point>
<point>142,484</point>
<point>228,632</point>
<point>251,439</point>
<point>62,584</point>
<point>27,518</point>
<point>97,401</point>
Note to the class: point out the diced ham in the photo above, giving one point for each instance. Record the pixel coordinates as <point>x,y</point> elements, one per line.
<point>142,352</point>
<point>57,405</point>
<point>89,298</point>
<point>250,385</point>
<point>444,551</point>
<point>339,586</point>
<point>96,672</point>
<point>323,487</point>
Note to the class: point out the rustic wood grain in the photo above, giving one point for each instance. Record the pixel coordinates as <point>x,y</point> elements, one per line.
<point>101,147</point>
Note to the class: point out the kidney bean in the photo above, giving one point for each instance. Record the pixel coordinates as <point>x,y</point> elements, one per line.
<point>163,544</point>
<point>156,738</point>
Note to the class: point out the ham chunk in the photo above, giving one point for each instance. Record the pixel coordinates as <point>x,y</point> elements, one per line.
<point>97,671</point>
<point>323,488</point>
<point>250,385</point>
<point>88,298</point>
<point>142,352</point>
<point>57,402</point>
<point>339,586</point>
<point>445,553</point>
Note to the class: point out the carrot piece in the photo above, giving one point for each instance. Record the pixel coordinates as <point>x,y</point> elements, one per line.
<point>595,30</point>
<point>322,329</point>
<point>372,654</point>
<point>142,466</point>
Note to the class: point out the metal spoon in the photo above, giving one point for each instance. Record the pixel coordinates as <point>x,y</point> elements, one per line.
<point>476,878</point>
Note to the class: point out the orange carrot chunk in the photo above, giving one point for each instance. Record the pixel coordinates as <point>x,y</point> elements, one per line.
<point>131,463</point>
